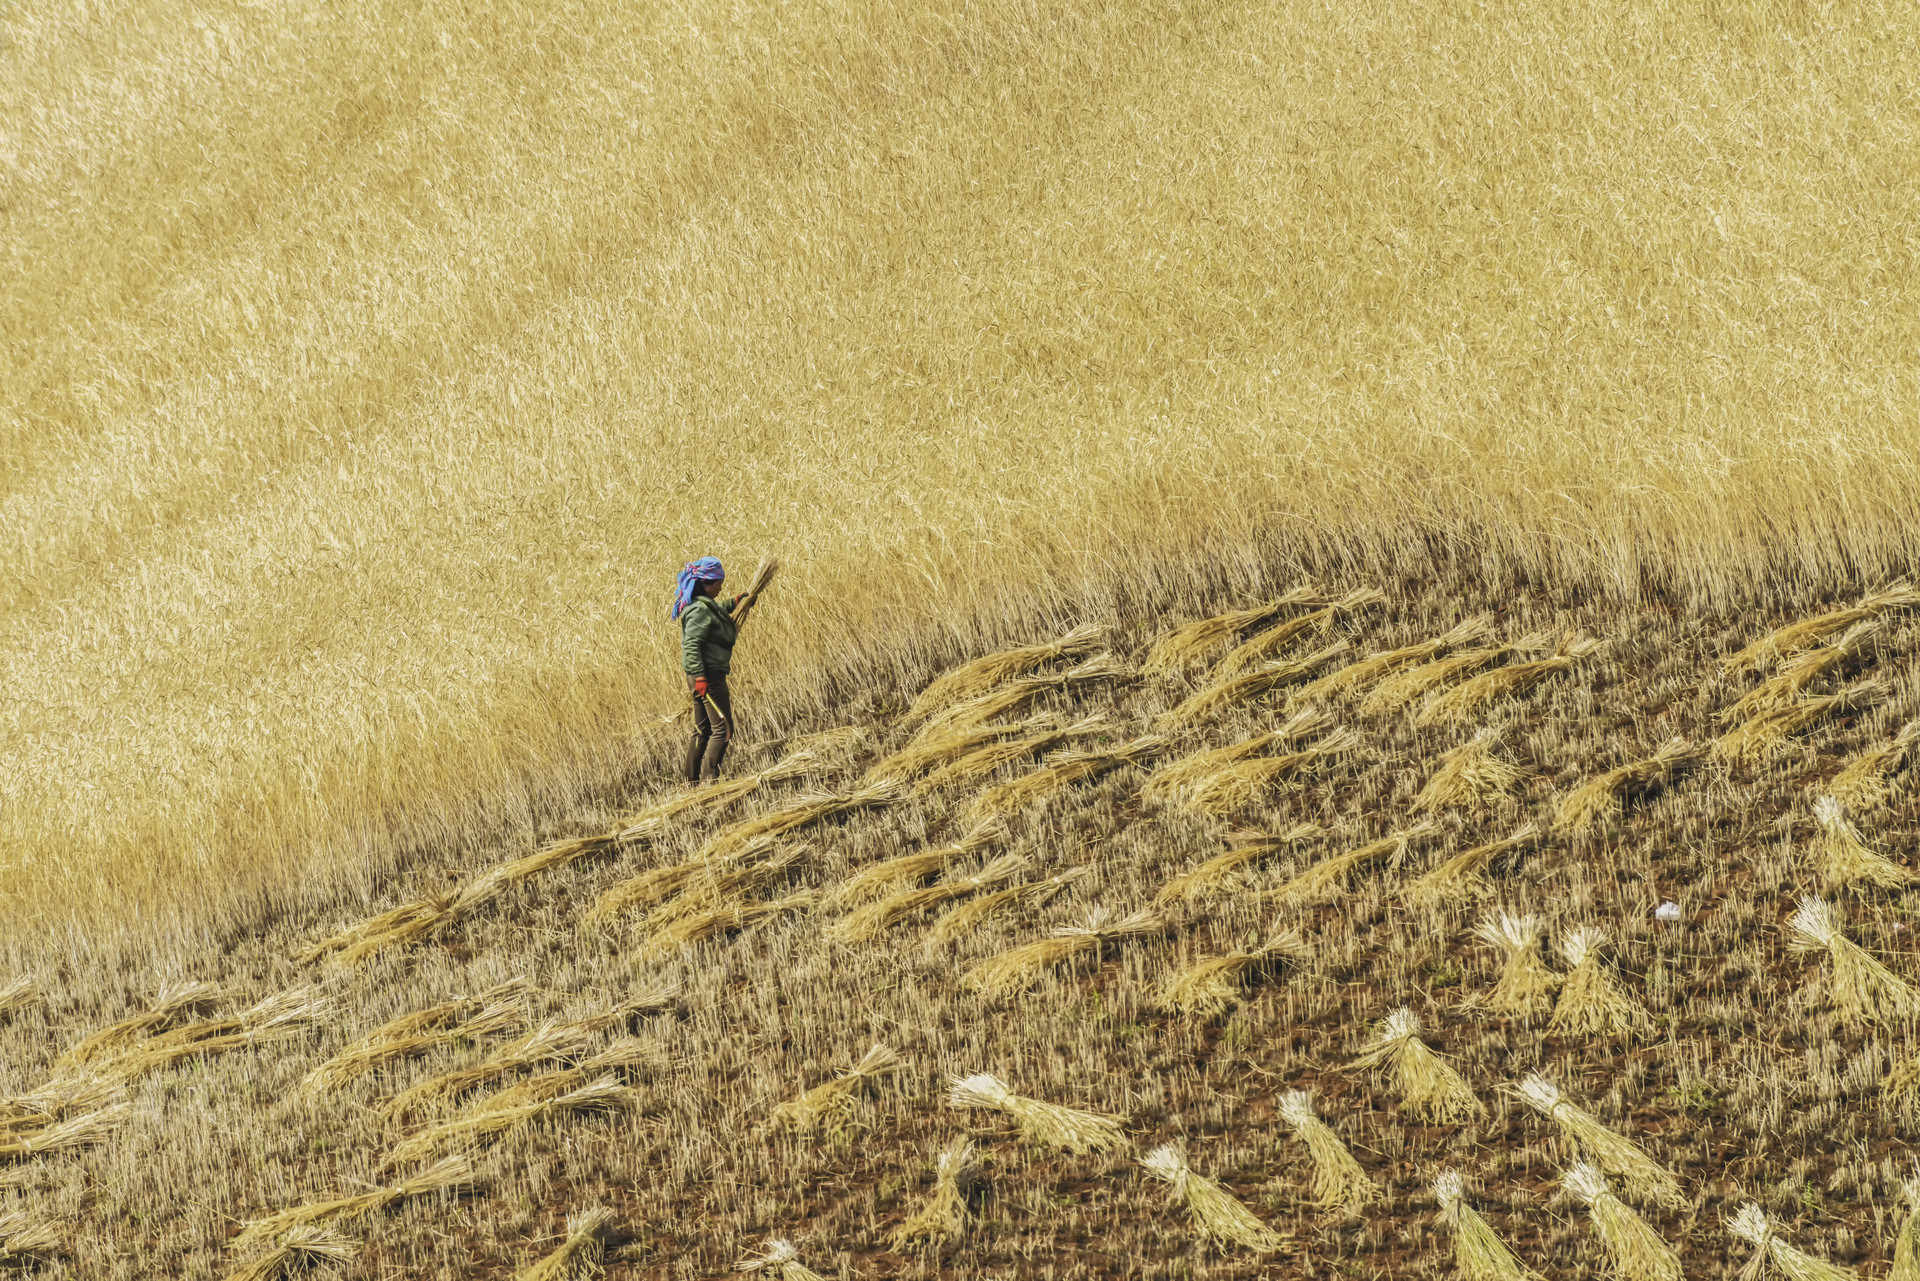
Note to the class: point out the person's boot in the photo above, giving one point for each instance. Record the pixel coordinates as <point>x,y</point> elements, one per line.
<point>691,770</point>
<point>716,752</point>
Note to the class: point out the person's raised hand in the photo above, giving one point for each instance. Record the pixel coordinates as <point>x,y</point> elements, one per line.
<point>699,687</point>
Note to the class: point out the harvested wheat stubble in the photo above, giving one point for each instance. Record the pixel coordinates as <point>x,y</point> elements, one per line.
<point>1598,800</point>
<point>1861,989</point>
<point>1526,984</point>
<point>1635,1250</point>
<point>974,678</point>
<point>1266,645</point>
<point>19,994</point>
<point>1592,1002</point>
<point>498,1009</point>
<point>170,1005</point>
<point>942,1217</point>
<point>982,761</point>
<point>1328,877</point>
<point>25,1242</point>
<point>579,1257</point>
<point>1048,1124</point>
<point>881,878</point>
<point>806,810</point>
<point>300,1249</point>
<point>1411,684</point>
<point>487,1121</point>
<point>1188,770</point>
<point>1339,1182</point>
<point>1770,730</point>
<point>1469,775</point>
<point>1188,645</point>
<point>780,1258</point>
<point>452,1174</point>
<point>918,756</point>
<point>1021,966</point>
<point>1229,787</point>
<point>1231,691</point>
<point>699,926</point>
<point>1843,856</point>
<point>1792,680</point>
<point>1644,1179</point>
<point>1216,1212</point>
<point>1377,666</point>
<point>1015,696</point>
<point>835,1098</point>
<point>1033,894</point>
<point>1062,771</point>
<point>1867,778</point>
<point>1751,1225</point>
<point>75,1132</point>
<point>1811,631</point>
<point>869,921</point>
<point>1479,692</point>
<point>1465,874</point>
<point>1212,985</point>
<point>1428,1085</point>
<point>1478,1253</point>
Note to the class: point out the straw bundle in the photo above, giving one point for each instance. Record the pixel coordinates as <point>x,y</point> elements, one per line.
<point>1062,771</point>
<point>300,1249</point>
<point>1328,877</point>
<point>762,578</point>
<point>1020,966</point>
<point>1844,856</point>
<point>24,1243</point>
<point>1478,1254</point>
<point>880,878</point>
<point>1189,770</point>
<point>1861,988</point>
<point>1770,729</point>
<point>943,1216</point>
<point>1598,800</point>
<point>484,1123</point>
<point>622,1054</point>
<point>1338,1181</point>
<point>1211,986</point>
<point>63,1136</point>
<point>1414,683</point>
<point>1592,1002</point>
<point>1232,786</point>
<point>1428,1085</point>
<point>871,920</point>
<point>919,756</point>
<point>427,910</point>
<point>1017,695</point>
<point>1465,874</point>
<point>170,1005</point>
<point>1791,681</point>
<point>1471,696</point>
<point>782,1260</point>
<point>498,1009</point>
<point>1469,775</point>
<point>1811,631</point>
<point>1643,1178</point>
<point>813,808</point>
<point>58,1099</point>
<point>278,1016</point>
<point>1269,643</point>
<point>1634,1248</point>
<point>1048,1124</point>
<point>650,888</point>
<point>968,916</point>
<point>1526,984</point>
<point>1219,871</point>
<point>581,1255</point>
<point>1906,1246</point>
<point>802,758</point>
<point>1376,666</point>
<point>700,926</point>
<point>1187,645</point>
<point>451,1174</point>
<point>19,994</point>
<point>835,1098</point>
<point>1750,1224</point>
<point>1216,1212</point>
<point>982,761</point>
<point>974,678</point>
<point>1231,691</point>
<point>1864,780</point>
<point>719,884</point>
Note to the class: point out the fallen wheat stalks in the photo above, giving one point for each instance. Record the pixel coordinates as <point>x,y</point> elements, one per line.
<point>942,1218</point>
<point>1811,631</point>
<point>982,761</point>
<point>920,756</point>
<point>451,1174</point>
<point>1218,872</point>
<point>781,1258</point>
<point>1377,666</point>
<point>1750,1224</point>
<point>1469,775</point>
<point>1189,770</point>
<point>1212,985</point>
<point>1592,1002</point>
<point>25,1242</point>
<point>1232,691</point>
<point>700,926</point>
<point>1411,684</point>
<point>1231,786</point>
<point>1526,984</point>
<point>82,1131</point>
<point>1216,1212</point>
<point>1016,695</point>
<point>1791,681</point>
<point>1643,1178</point>
<point>1339,1183</point>
<point>835,1098</point>
<point>1265,645</point>
<point>483,1123</point>
<point>1189,644</point>
<point>1478,1253</point>
<point>1862,990</point>
<point>1048,1124</point>
<point>657,885</point>
<point>1020,966</point>
<point>881,878</point>
<point>869,921</point>
<point>1328,877</point>
<point>724,881</point>
<point>170,1005</point>
<point>1428,1085</point>
<point>580,1255</point>
<point>1771,729</point>
<point>974,678</point>
<point>1478,692</point>
<point>1465,874</point>
<point>802,759</point>
<point>301,1248</point>
<point>1033,894</point>
<point>1844,858</point>
<point>1063,770</point>
<point>1598,800</point>
<point>20,993</point>
<point>1636,1251</point>
<point>1865,780</point>
<point>276,1017</point>
<point>496,1010</point>
<point>813,808</point>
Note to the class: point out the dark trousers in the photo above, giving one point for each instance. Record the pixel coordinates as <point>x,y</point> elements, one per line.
<point>711,733</point>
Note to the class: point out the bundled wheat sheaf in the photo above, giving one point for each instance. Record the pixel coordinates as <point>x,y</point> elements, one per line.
<point>1470,775</point>
<point>1339,1182</point>
<point>299,1249</point>
<point>1229,787</point>
<point>725,880</point>
<point>970,915</point>
<point>1808,632</point>
<point>870,921</point>
<point>781,1259</point>
<point>488,1120</point>
<point>1216,1212</point>
<point>657,885</point>
<point>1016,695</point>
<point>450,1174</point>
<point>1844,858</point>
<point>1792,680</point>
<point>942,1217</point>
<point>1635,1250</point>
<point>806,810</point>
<point>1526,983</point>
<point>170,1005</point>
<point>1478,1252</point>
<point>71,1133</point>
<point>1328,877</point>
<point>1597,801</point>
<point>1771,1254</point>
<point>1769,730</point>
<point>1221,872</point>
<point>26,1242</point>
<point>1212,985</point>
<point>1268,644</point>
<point>1021,966</point>
<point>802,758</point>
<point>1232,691</point>
<point>982,761</point>
<point>920,756</point>
<point>835,1099</point>
<point>494,1011</point>
<point>880,878</point>
<point>580,1255</point>
<point>1377,666</point>
<point>1047,1124</point>
<point>1172,778</point>
<point>1189,645</point>
<point>1867,778</point>
<point>972,679</point>
<point>17,994</point>
<point>1860,988</point>
<point>1592,1002</point>
<point>1408,685</point>
<point>1429,1086</point>
<point>1464,875</point>
<point>1062,771</point>
<point>1479,692</point>
<point>696,927</point>
<point>1644,1179</point>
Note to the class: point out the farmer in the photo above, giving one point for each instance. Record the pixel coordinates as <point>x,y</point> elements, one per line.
<point>707,629</point>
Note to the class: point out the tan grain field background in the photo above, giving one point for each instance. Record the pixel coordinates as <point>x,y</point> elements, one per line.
<point>366,370</point>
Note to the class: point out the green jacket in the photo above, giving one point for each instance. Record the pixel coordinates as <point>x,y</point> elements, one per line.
<point>707,630</point>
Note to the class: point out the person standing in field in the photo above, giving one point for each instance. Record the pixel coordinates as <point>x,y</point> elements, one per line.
<point>707,632</point>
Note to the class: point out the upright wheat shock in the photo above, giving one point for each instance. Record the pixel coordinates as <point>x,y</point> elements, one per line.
<point>1861,989</point>
<point>1478,1253</point>
<point>781,1259</point>
<point>1751,1225</point>
<point>1644,1178</point>
<point>1636,1251</point>
<point>1526,984</point>
<point>1216,1211</point>
<point>942,1217</point>
<point>1429,1086</point>
<point>1842,855</point>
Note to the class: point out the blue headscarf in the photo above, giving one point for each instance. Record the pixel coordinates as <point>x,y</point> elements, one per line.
<point>705,570</point>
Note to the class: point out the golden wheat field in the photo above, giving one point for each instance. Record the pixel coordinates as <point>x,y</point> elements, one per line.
<point>1339,701</point>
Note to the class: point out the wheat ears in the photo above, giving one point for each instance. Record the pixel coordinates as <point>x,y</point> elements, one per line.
<point>1216,1212</point>
<point>1636,1251</point>
<point>1644,1179</point>
<point>1478,1253</point>
<point>1338,1181</point>
<point>1428,1085</point>
<point>1045,1124</point>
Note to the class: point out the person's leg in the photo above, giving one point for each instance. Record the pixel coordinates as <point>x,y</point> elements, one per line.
<point>702,732</point>
<point>723,731</point>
